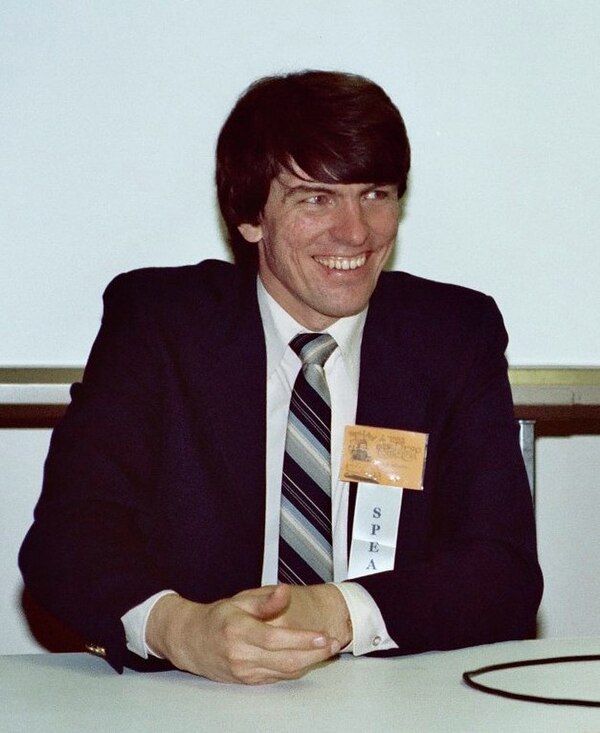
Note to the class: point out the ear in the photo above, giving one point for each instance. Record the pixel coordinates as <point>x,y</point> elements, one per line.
<point>251,232</point>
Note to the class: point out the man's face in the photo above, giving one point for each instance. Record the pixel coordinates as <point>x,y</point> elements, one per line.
<point>322,246</point>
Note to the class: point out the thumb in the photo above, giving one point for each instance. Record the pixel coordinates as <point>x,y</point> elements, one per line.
<point>271,604</point>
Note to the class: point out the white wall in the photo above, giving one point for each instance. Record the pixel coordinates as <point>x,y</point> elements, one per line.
<point>109,113</point>
<point>568,538</point>
<point>111,109</point>
<point>22,455</point>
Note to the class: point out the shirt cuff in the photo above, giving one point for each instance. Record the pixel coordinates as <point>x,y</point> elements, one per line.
<point>370,633</point>
<point>134,622</point>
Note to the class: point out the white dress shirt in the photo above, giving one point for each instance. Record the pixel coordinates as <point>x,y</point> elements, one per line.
<point>342,370</point>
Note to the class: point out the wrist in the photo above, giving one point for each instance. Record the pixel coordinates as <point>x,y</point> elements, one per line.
<point>164,621</point>
<point>345,632</point>
<point>334,611</point>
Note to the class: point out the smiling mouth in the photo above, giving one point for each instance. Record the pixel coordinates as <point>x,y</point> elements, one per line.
<point>342,263</point>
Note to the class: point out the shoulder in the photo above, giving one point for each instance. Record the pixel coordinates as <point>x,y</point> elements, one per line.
<point>210,277</point>
<point>405,294</point>
<point>437,317</point>
<point>412,289</point>
<point>212,297</point>
<point>208,285</point>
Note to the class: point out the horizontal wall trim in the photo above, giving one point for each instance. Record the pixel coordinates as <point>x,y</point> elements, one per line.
<point>539,376</point>
<point>40,375</point>
<point>562,401</point>
<point>554,376</point>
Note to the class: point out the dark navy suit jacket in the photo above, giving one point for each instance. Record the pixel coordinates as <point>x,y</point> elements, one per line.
<point>156,476</point>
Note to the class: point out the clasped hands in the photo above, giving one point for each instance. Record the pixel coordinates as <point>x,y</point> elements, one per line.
<point>260,635</point>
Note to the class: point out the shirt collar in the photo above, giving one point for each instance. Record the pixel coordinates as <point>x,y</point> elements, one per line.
<point>280,328</point>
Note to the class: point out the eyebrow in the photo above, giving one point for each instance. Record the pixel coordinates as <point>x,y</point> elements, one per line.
<point>318,187</point>
<point>290,190</point>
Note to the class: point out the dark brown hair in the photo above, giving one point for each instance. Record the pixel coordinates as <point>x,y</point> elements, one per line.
<point>337,127</point>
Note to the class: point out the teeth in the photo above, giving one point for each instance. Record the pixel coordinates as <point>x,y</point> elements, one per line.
<point>342,263</point>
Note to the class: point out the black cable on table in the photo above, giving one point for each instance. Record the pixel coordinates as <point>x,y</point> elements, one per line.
<point>468,678</point>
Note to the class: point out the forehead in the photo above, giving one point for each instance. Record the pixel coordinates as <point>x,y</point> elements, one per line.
<point>287,182</point>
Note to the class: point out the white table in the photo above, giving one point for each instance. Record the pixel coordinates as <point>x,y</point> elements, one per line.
<point>66,693</point>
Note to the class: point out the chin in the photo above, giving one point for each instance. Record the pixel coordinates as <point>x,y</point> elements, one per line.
<point>350,309</point>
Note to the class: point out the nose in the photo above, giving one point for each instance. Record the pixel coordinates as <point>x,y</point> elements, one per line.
<point>350,225</point>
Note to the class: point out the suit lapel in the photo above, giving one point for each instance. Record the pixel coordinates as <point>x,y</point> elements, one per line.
<point>393,387</point>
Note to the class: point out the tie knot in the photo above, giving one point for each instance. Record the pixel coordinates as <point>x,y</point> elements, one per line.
<point>313,348</point>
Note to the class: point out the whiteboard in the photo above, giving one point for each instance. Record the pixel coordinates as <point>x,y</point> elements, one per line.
<point>110,111</point>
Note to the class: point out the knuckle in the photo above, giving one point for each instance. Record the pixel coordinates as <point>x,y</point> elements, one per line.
<point>238,670</point>
<point>271,636</point>
<point>246,675</point>
<point>230,633</point>
<point>290,667</point>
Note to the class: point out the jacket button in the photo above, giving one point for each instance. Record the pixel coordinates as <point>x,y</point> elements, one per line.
<point>96,649</point>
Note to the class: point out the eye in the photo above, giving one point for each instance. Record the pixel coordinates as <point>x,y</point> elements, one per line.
<point>379,194</point>
<point>318,199</point>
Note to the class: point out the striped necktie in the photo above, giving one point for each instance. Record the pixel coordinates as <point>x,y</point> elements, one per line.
<point>305,555</point>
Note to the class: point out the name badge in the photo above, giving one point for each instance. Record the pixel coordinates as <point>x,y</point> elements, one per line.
<point>384,463</point>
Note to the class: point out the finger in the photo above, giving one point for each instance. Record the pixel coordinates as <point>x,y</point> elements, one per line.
<point>232,645</point>
<point>264,603</point>
<point>274,638</point>
<point>274,603</point>
<point>263,676</point>
<point>280,665</point>
<point>252,665</point>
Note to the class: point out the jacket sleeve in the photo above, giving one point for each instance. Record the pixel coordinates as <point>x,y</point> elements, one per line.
<point>474,578</point>
<point>84,558</point>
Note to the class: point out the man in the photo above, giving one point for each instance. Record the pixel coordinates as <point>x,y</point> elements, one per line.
<point>157,535</point>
